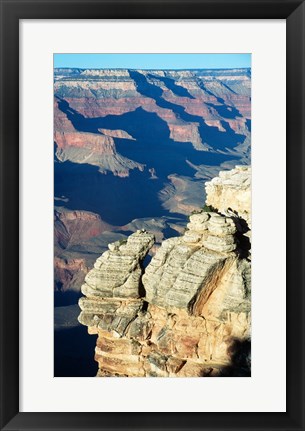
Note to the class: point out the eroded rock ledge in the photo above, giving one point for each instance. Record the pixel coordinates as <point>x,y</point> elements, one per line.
<point>231,190</point>
<point>188,314</point>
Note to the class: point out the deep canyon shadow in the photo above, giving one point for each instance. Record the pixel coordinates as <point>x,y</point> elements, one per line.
<point>119,200</point>
<point>209,135</point>
<point>62,299</point>
<point>74,353</point>
<point>240,354</point>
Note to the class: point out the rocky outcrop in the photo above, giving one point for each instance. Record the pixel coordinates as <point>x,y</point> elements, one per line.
<point>113,288</point>
<point>186,315</point>
<point>231,190</point>
<point>117,273</point>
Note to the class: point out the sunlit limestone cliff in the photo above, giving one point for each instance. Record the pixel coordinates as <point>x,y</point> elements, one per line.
<point>188,314</point>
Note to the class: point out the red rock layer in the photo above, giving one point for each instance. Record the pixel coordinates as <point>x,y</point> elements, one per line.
<point>66,136</point>
<point>76,227</point>
<point>99,144</point>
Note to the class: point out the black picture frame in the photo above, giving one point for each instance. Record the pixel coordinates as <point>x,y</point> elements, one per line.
<point>11,12</point>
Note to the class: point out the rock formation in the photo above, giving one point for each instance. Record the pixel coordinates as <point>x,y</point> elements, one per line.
<point>188,313</point>
<point>121,133</point>
<point>231,190</point>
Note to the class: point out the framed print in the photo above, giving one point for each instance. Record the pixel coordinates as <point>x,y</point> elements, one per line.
<point>139,138</point>
<point>152,175</point>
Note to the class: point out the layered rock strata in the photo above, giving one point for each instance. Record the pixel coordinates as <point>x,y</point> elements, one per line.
<point>97,149</point>
<point>186,315</point>
<point>185,100</point>
<point>231,191</point>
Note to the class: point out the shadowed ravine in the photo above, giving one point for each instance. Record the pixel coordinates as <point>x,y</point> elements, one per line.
<point>120,200</point>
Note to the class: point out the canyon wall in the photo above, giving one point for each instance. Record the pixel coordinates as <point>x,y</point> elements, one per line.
<point>231,191</point>
<point>194,105</point>
<point>188,313</point>
<point>123,134</point>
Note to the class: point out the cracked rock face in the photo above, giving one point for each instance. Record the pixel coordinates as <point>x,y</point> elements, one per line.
<point>117,273</point>
<point>231,190</point>
<point>183,267</point>
<point>187,315</point>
